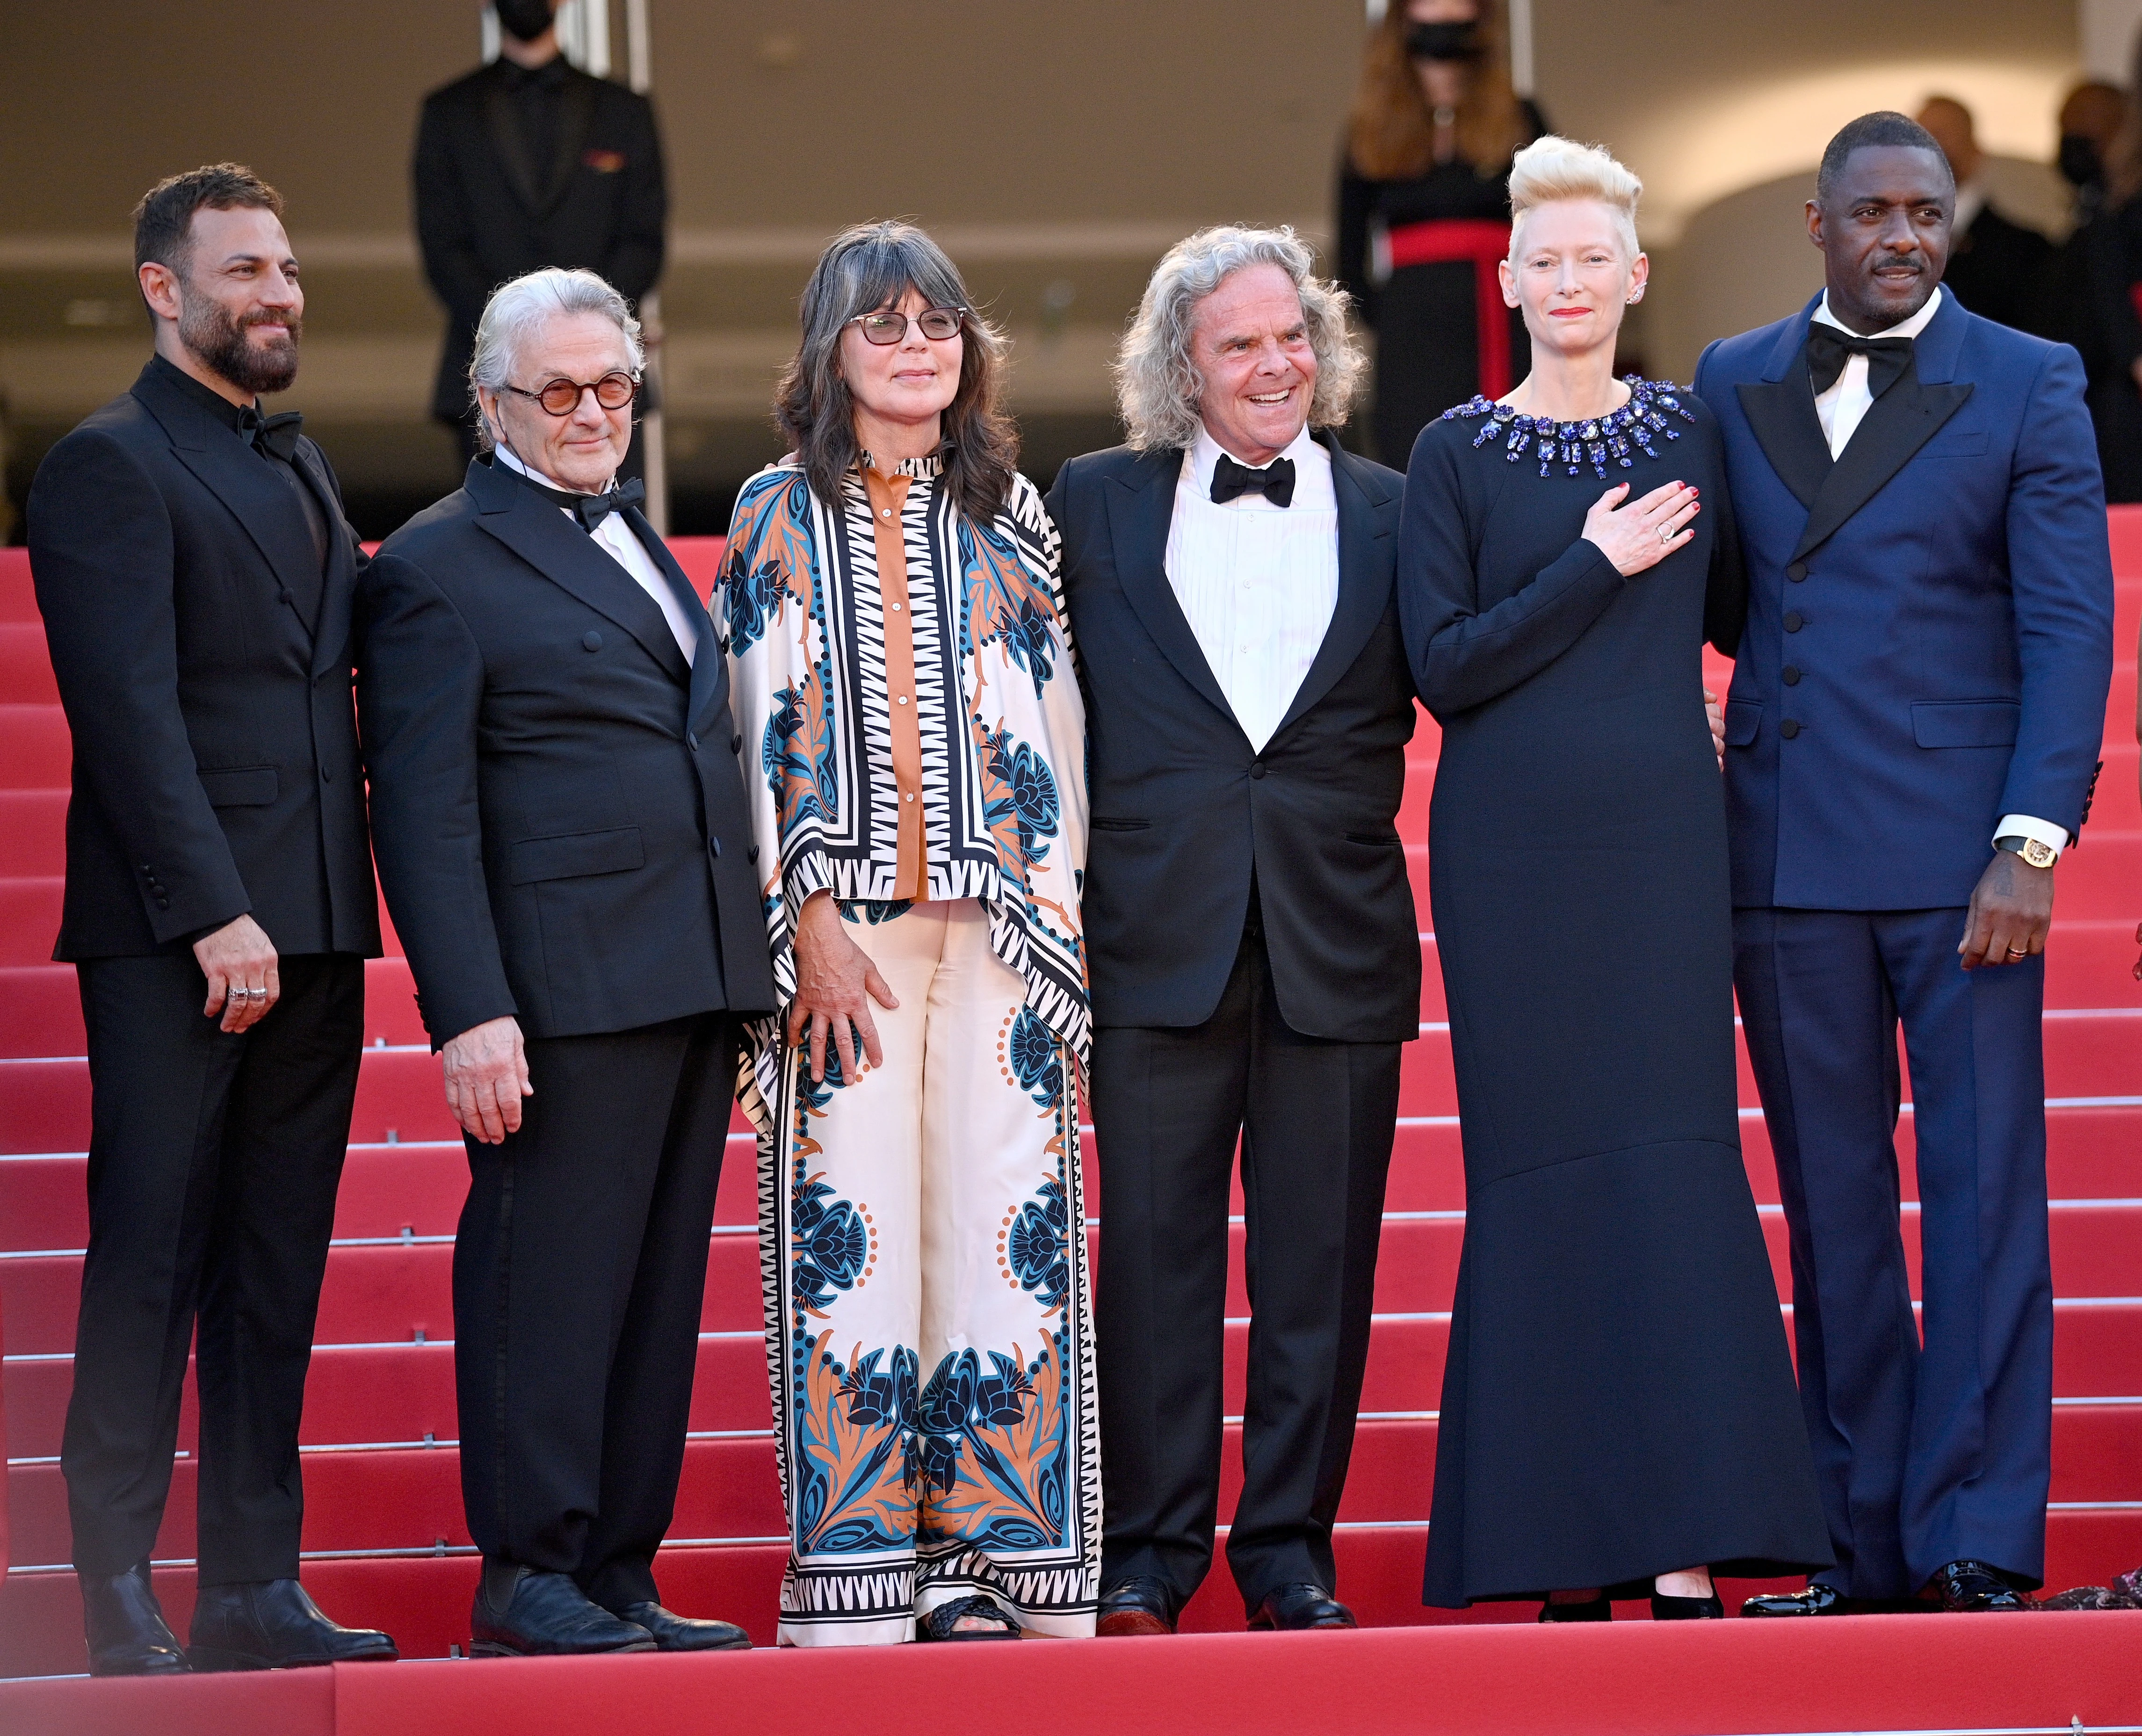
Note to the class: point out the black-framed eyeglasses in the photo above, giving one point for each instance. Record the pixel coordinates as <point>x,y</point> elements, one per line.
<point>562,397</point>
<point>938,322</point>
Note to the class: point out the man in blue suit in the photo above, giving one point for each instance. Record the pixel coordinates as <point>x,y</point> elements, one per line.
<point>1912,738</point>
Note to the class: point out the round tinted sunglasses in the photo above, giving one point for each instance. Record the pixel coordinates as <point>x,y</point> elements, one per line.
<point>937,323</point>
<point>562,397</point>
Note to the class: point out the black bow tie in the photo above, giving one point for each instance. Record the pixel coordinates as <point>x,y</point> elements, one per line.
<point>276,436</point>
<point>1274,481</point>
<point>1829,347</point>
<point>590,510</point>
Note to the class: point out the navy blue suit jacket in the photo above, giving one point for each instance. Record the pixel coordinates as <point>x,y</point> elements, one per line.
<point>1929,636</point>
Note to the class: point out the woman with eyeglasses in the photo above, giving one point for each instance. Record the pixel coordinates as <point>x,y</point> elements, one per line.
<point>913,737</point>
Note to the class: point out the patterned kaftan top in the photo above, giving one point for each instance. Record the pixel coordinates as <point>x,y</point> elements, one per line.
<point>991,751</point>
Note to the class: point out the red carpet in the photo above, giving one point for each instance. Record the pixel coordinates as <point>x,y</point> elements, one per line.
<point>386,1546</point>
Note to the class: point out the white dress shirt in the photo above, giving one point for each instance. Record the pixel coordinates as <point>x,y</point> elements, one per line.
<point>615,537</point>
<point>1841,409</point>
<point>1258,582</point>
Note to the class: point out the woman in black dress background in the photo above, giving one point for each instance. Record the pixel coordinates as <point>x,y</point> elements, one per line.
<point>1424,212</point>
<point>1618,1408</point>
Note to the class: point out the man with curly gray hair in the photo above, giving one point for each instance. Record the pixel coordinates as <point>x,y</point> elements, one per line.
<point>1249,930</point>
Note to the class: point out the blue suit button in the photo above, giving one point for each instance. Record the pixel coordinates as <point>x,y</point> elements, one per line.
<point>1795,620</point>
<point>591,640</point>
<point>1796,571</point>
<point>1791,676</point>
<point>1789,728</point>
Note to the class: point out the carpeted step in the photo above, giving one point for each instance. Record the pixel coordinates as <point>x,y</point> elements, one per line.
<point>32,832</point>
<point>26,668</point>
<point>35,750</point>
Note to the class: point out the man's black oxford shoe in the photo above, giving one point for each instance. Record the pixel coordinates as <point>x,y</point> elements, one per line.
<point>1293,1608</point>
<point>275,1625</point>
<point>1138,1605</point>
<point>674,1632</point>
<point>124,1626</point>
<point>1967,1586</point>
<point>1817,1599</point>
<point>521,1613</point>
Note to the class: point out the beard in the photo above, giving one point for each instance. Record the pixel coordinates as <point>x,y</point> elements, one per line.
<point>220,343</point>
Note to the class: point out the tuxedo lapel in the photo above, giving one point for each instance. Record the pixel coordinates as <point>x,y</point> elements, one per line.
<point>1140,507</point>
<point>241,479</point>
<point>514,153</point>
<point>576,113</point>
<point>709,667</point>
<point>1782,413</point>
<point>565,555</point>
<point>1899,423</point>
<point>339,583</point>
<point>1365,570</point>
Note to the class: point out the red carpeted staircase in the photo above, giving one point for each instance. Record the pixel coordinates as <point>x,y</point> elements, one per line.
<point>385,1540</point>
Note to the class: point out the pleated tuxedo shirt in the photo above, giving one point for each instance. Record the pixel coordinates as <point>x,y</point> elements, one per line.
<point>1258,582</point>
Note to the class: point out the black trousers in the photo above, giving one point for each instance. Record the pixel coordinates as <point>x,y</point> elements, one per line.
<point>578,1273</point>
<point>1315,1121</point>
<point>213,1160</point>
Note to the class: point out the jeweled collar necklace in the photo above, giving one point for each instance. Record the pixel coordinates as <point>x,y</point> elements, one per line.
<point>1637,424</point>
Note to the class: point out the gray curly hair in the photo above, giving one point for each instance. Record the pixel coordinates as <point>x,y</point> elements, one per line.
<point>1158,385</point>
<point>517,311</point>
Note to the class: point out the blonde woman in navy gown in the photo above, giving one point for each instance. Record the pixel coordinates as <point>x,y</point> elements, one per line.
<point>1618,1414</point>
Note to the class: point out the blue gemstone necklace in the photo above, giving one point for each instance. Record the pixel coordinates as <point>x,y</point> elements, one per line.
<point>1637,424</point>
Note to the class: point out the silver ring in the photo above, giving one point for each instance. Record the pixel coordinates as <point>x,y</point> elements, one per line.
<point>248,994</point>
<point>2019,952</point>
<point>1665,533</point>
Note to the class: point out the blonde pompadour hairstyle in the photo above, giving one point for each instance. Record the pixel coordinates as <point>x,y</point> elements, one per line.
<point>1553,168</point>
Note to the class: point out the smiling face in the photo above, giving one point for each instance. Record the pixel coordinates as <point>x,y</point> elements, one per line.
<point>1573,275</point>
<point>901,390</point>
<point>1884,232</point>
<point>581,451</point>
<point>233,308</point>
<point>1249,341</point>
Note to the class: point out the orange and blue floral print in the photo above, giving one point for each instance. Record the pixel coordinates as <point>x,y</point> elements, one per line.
<point>1006,601</point>
<point>993,1452</point>
<point>1038,1247</point>
<point>797,755</point>
<point>852,1471</point>
<point>769,555</point>
<point>1019,803</point>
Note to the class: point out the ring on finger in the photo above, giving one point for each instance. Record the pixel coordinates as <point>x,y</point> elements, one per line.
<point>1667,533</point>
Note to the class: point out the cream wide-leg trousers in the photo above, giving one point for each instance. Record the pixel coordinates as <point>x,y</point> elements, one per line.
<point>929,1326</point>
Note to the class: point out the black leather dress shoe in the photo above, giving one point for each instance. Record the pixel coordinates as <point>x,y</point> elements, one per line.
<point>275,1625</point>
<point>124,1626</point>
<point>1137,1606</point>
<point>1668,1608</point>
<point>674,1632</point>
<point>1590,1609</point>
<point>1293,1608</point>
<point>1968,1586</point>
<point>522,1613</point>
<point>1817,1599</point>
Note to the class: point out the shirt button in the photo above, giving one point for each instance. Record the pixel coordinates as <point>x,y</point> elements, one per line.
<point>591,641</point>
<point>910,795</point>
<point>1796,571</point>
<point>884,512</point>
<point>1791,676</point>
<point>902,699</point>
<point>1789,728</point>
<point>896,608</point>
<point>1794,622</point>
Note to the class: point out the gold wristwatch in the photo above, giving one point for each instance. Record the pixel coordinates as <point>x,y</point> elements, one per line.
<point>2038,853</point>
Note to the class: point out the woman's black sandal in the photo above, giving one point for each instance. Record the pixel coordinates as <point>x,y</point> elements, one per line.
<point>1687,1609</point>
<point>942,1622</point>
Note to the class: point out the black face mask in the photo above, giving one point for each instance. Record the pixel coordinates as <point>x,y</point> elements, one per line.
<point>2077,159</point>
<point>1443,42</point>
<point>524,20</point>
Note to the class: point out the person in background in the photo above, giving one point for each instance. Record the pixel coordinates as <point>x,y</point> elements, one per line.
<point>526,163</point>
<point>907,706</point>
<point>2116,261</point>
<point>1423,211</point>
<point>546,721</point>
<point>2090,119</point>
<point>1255,965</point>
<point>1905,473</point>
<point>1996,263</point>
<point>195,575</point>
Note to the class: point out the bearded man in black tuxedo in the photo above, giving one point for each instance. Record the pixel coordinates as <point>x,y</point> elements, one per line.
<point>195,575</point>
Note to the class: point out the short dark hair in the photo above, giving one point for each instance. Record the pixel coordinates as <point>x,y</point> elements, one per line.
<point>1883,128</point>
<point>164,220</point>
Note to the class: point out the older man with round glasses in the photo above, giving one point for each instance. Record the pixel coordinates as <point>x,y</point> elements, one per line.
<point>562,836</point>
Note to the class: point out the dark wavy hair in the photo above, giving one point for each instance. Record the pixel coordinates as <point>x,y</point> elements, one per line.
<point>863,269</point>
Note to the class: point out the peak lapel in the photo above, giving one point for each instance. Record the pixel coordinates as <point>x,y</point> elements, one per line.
<point>1366,524</point>
<point>565,555</point>
<point>710,668</point>
<point>331,639</point>
<point>1139,507</point>
<point>241,478</point>
<point>1900,421</point>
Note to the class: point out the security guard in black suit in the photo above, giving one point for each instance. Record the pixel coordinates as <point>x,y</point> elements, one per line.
<point>196,577</point>
<point>529,162</point>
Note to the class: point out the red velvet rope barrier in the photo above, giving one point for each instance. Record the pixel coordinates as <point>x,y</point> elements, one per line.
<point>1483,245</point>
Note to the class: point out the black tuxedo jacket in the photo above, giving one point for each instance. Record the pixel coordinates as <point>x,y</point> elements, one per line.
<point>557,805</point>
<point>215,758</point>
<point>1186,816</point>
<point>487,211</point>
